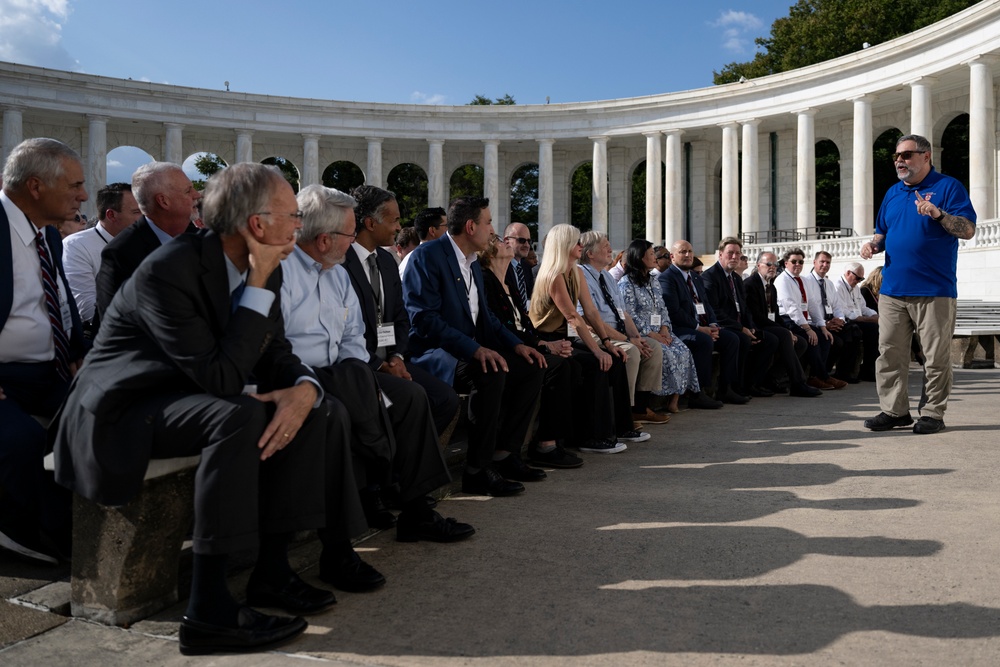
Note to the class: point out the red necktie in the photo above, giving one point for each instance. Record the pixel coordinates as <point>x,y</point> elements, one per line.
<point>59,339</point>
<point>805,299</point>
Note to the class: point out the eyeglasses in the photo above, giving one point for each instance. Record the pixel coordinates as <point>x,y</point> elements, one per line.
<point>859,278</point>
<point>904,155</point>
<point>494,239</point>
<point>297,214</point>
<point>519,240</point>
<point>796,261</point>
<point>659,257</point>
<point>352,235</point>
<point>768,263</point>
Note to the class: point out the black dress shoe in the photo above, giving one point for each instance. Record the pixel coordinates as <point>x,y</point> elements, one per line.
<point>254,631</point>
<point>432,527</point>
<point>488,482</point>
<point>761,392</point>
<point>350,574</point>
<point>805,391</point>
<point>376,513</point>
<point>514,468</point>
<point>735,399</point>
<point>702,401</point>
<point>294,596</point>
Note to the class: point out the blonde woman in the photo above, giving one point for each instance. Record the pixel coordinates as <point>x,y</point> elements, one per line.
<point>559,287</point>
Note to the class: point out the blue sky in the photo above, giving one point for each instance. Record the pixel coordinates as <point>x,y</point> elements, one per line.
<point>430,52</point>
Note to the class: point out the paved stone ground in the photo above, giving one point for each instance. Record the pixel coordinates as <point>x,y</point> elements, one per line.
<point>778,533</point>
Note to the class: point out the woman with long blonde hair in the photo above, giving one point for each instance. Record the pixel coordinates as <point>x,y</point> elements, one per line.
<point>559,287</point>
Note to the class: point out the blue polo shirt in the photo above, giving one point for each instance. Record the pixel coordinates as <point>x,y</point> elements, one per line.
<point>921,258</point>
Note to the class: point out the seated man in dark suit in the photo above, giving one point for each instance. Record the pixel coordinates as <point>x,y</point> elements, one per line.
<point>724,288</point>
<point>519,277</point>
<point>41,340</point>
<point>167,200</point>
<point>376,281</point>
<point>694,323</point>
<point>323,324</point>
<point>762,304</point>
<point>455,336</point>
<point>166,378</point>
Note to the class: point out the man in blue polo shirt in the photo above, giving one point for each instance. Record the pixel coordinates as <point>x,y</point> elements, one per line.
<point>918,226</point>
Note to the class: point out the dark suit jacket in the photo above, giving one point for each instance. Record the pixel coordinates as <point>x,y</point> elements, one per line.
<point>170,330</point>
<point>721,297</point>
<point>441,328</point>
<point>392,299</point>
<point>753,287</point>
<point>54,241</point>
<point>121,257</point>
<point>678,300</point>
<point>529,278</point>
<point>503,309</point>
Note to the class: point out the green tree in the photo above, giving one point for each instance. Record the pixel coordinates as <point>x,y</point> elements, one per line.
<point>343,175</point>
<point>524,196</point>
<point>827,185</point>
<point>467,181</point>
<point>207,164</point>
<point>409,183</point>
<point>639,201</point>
<point>483,101</point>
<point>883,169</point>
<point>818,30</point>
<point>953,156</point>
<point>288,170</point>
<point>581,206</point>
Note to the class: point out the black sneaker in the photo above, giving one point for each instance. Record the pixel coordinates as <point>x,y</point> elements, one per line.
<point>886,422</point>
<point>635,435</point>
<point>927,425</point>
<point>598,446</point>
<point>554,458</point>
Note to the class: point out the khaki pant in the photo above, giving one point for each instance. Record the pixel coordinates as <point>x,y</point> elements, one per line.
<point>933,320</point>
<point>643,374</point>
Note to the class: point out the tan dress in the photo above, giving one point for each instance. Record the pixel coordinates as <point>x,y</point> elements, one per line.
<point>552,321</point>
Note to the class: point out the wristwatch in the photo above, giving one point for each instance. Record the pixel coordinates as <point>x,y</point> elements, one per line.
<point>939,218</point>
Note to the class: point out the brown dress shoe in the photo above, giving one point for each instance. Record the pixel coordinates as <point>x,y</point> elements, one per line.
<point>649,417</point>
<point>816,383</point>
<point>836,384</point>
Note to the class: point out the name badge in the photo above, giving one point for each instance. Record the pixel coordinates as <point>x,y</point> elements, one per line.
<point>621,314</point>
<point>570,330</point>
<point>655,320</point>
<point>829,311</point>
<point>699,308</point>
<point>386,335</point>
<point>737,306</point>
<point>770,316</point>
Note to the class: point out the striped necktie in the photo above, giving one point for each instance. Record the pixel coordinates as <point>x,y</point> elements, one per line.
<point>59,338</point>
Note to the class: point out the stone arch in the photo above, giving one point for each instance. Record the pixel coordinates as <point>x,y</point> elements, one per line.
<point>636,205</point>
<point>952,156</point>
<point>288,170</point>
<point>123,161</point>
<point>883,171</point>
<point>827,184</point>
<point>467,180</point>
<point>201,165</point>
<point>524,196</point>
<point>409,183</point>
<point>342,175</point>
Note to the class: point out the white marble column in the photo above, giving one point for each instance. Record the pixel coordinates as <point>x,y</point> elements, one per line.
<point>310,160</point>
<point>13,130</point>
<point>921,118</point>
<point>599,192</point>
<point>730,181</point>
<point>373,175</point>
<point>982,136</point>
<point>805,175</point>
<point>491,176</point>
<point>174,144</point>
<point>96,167</point>
<point>749,186</point>
<point>863,196</point>
<point>435,173</point>
<point>244,145</point>
<point>546,189</point>
<point>654,204</point>
<point>673,194</point>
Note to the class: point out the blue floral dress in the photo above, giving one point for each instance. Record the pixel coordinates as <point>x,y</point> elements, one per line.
<point>679,373</point>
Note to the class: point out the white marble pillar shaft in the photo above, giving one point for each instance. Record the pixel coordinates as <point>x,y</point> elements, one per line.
<point>373,175</point>
<point>673,196</point>
<point>982,137</point>
<point>805,173</point>
<point>96,167</point>
<point>174,143</point>
<point>654,204</point>
<point>435,173</point>
<point>244,145</point>
<point>13,130</point>
<point>749,187</point>
<point>310,159</point>
<point>599,192</point>
<point>921,118</point>
<point>863,195</point>
<point>491,176</point>
<point>546,189</point>
<point>730,181</point>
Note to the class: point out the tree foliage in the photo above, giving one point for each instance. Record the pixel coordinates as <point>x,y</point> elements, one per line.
<point>827,185</point>
<point>409,183</point>
<point>639,201</point>
<point>467,181</point>
<point>818,30</point>
<point>524,196</point>
<point>483,101</point>
<point>581,190</point>
<point>343,175</point>
<point>207,164</point>
<point>288,170</point>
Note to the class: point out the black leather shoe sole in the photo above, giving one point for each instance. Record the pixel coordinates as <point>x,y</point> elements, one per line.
<point>519,472</point>
<point>256,632</point>
<point>354,577</point>
<point>296,597</point>
<point>438,529</point>
<point>884,422</point>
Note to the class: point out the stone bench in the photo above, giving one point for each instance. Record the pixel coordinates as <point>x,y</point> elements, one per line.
<point>977,325</point>
<point>125,559</point>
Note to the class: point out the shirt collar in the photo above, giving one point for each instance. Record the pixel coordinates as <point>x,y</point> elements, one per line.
<point>463,259</point>
<point>233,275</point>
<point>308,263</point>
<point>362,252</point>
<point>18,220</point>
<point>160,234</point>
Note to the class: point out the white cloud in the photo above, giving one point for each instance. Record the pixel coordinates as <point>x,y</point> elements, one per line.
<point>418,97</point>
<point>738,30</point>
<point>31,33</point>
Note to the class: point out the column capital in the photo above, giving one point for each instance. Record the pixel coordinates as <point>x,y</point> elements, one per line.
<point>866,98</point>
<point>436,142</point>
<point>728,123</point>
<point>374,140</point>
<point>751,122</point>
<point>674,132</point>
<point>982,59</point>
<point>599,140</point>
<point>174,126</point>
<point>548,142</point>
<point>92,117</point>
<point>923,81</point>
<point>310,137</point>
<point>652,135</point>
<point>244,133</point>
<point>808,111</point>
<point>491,142</point>
<point>13,107</point>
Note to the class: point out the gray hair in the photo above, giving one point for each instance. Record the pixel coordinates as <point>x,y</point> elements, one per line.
<point>40,158</point>
<point>853,267</point>
<point>236,193</point>
<point>922,143</point>
<point>760,255</point>
<point>150,180</point>
<point>589,241</point>
<point>324,210</point>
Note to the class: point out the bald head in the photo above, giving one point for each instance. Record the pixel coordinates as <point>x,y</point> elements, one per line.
<point>519,236</point>
<point>682,255</point>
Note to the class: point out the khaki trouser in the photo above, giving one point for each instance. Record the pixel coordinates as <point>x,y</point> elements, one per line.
<point>643,374</point>
<point>933,320</point>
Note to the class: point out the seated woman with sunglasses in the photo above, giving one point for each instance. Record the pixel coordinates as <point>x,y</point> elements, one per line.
<point>559,286</point>
<point>556,412</point>
<point>644,304</point>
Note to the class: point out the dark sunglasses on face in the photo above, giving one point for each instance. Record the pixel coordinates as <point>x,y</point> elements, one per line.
<point>904,155</point>
<point>796,261</point>
<point>519,240</point>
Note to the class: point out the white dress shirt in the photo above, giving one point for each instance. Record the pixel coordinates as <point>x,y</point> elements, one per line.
<point>790,300</point>
<point>82,263</point>
<point>465,266</point>
<point>852,301</point>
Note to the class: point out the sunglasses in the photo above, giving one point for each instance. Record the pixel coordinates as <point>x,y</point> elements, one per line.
<point>766,264</point>
<point>519,240</point>
<point>796,261</point>
<point>904,155</point>
<point>860,278</point>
